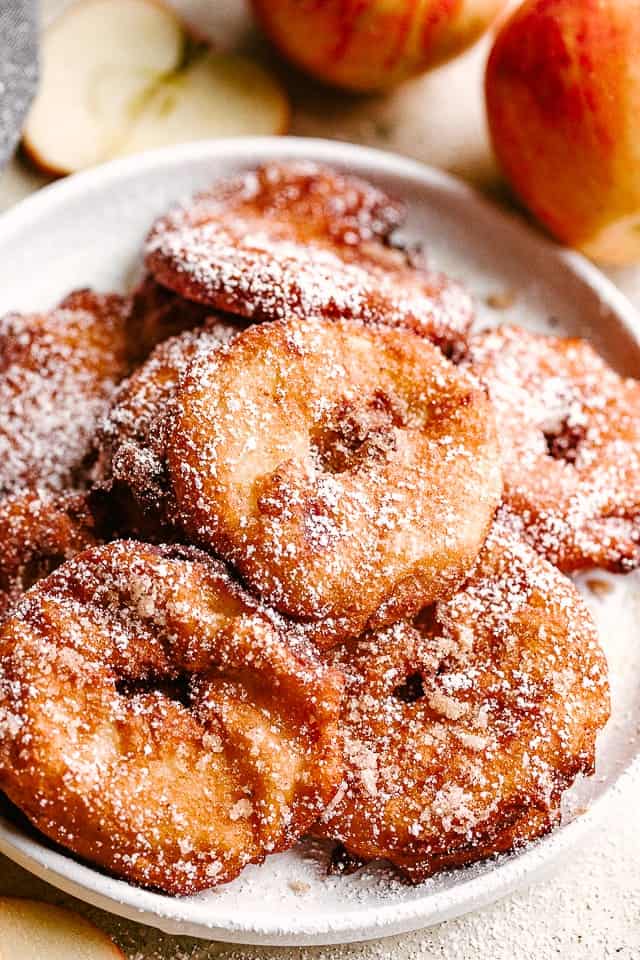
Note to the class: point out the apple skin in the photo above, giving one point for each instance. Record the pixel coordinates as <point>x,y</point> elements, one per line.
<point>369,45</point>
<point>563,104</point>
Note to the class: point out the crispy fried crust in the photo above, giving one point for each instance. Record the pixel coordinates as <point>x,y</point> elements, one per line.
<point>158,722</point>
<point>57,373</point>
<point>158,313</point>
<point>38,532</point>
<point>133,492</point>
<point>462,728</point>
<point>300,240</point>
<point>569,431</point>
<point>348,472</point>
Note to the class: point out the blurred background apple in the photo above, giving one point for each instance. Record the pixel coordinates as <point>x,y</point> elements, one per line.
<point>373,44</point>
<point>563,103</point>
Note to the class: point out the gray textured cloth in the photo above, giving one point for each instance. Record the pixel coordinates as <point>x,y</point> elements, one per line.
<point>18,69</point>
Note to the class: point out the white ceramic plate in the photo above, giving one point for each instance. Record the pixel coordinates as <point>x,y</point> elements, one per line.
<point>87,230</point>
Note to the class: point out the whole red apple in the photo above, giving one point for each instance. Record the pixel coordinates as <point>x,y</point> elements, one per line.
<point>372,44</point>
<point>563,103</point>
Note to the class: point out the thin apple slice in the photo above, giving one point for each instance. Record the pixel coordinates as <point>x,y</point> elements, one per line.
<point>217,95</point>
<point>30,930</point>
<point>100,60</point>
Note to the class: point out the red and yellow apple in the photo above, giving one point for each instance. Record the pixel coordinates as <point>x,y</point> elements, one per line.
<point>373,44</point>
<point>563,103</point>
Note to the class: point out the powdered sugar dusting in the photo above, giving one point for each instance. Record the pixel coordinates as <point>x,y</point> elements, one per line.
<point>38,532</point>
<point>57,373</point>
<point>141,684</point>
<point>570,439</point>
<point>445,704</point>
<point>303,241</point>
<point>469,745</point>
<point>132,438</point>
<point>334,465</point>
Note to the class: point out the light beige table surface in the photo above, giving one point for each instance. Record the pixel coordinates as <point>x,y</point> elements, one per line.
<point>590,910</point>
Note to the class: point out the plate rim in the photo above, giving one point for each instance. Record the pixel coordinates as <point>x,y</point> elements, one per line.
<point>382,919</point>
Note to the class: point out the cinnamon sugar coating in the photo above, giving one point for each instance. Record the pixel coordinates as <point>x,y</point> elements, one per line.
<point>158,722</point>
<point>302,240</point>
<point>38,532</point>
<point>349,472</point>
<point>57,373</point>
<point>463,727</point>
<point>569,430</point>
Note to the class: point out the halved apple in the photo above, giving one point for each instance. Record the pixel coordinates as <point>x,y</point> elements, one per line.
<point>31,930</point>
<point>116,79</point>
<point>100,59</point>
<point>217,95</point>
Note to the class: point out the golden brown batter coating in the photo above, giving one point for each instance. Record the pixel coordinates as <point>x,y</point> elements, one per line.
<point>131,467</point>
<point>38,532</point>
<point>463,728</point>
<point>158,722</point>
<point>569,430</point>
<point>158,313</point>
<point>349,472</point>
<point>57,373</point>
<point>301,240</point>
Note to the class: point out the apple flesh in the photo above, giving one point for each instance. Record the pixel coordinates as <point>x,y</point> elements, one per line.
<point>115,79</point>
<point>99,60</point>
<point>30,930</point>
<point>369,45</point>
<point>218,94</point>
<point>563,104</point>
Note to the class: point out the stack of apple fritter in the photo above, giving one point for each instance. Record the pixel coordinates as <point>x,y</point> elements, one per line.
<point>285,545</point>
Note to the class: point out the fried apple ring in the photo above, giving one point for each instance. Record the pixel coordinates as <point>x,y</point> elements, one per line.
<point>131,467</point>
<point>158,722</point>
<point>569,430</point>
<point>348,472</point>
<point>57,372</point>
<point>463,727</point>
<point>158,313</point>
<point>301,240</point>
<point>38,532</point>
